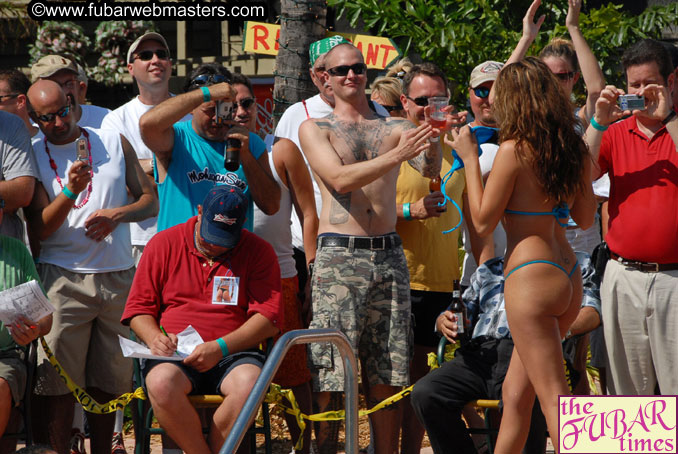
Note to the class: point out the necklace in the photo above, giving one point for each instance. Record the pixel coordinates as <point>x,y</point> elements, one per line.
<point>53,165</point>
<point>202,251</point>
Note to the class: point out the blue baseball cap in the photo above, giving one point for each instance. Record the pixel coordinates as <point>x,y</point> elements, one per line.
<point>223,214</point>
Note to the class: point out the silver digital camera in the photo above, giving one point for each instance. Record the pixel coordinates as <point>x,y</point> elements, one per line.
<point>224,111</point>
<point>631,102</point>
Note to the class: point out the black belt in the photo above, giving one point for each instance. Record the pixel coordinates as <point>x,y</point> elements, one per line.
<point>375,243</point>
<point>646,267</point>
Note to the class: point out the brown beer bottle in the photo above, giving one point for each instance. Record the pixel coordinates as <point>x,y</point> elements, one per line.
<point>434,184</point>
<point>459,310</point>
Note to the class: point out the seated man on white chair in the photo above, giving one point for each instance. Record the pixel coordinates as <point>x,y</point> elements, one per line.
<point>176,285</point>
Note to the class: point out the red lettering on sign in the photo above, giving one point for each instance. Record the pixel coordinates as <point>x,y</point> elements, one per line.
<point>260,36</point>
<point>387,48</point>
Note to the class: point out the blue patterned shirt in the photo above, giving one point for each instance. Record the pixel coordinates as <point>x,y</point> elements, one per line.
<point>484,298</point>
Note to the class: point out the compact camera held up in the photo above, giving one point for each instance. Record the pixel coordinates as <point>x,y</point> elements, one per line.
<point>224,110</point>
<point>631,102</point>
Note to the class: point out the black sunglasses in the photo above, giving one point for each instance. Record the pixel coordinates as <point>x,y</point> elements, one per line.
<point>50,117</point>
<point>564,76</point>
<point>390,109</point>
<point>4,98</point>
<point>421,101</point>
<point>342,71</point>
<point>209,79</point>
<point>244,103</point>
<point>481,92</point>
<point>146,55</point>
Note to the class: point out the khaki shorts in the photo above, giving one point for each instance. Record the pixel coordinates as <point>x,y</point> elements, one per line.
<point>13,370</point>
<point>85,329</point>
<point>366,295</point>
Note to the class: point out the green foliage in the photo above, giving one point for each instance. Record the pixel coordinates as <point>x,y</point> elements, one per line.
<point>459,34</point>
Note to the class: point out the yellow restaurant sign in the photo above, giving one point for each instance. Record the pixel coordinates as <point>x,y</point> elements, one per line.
<point>262,38</point>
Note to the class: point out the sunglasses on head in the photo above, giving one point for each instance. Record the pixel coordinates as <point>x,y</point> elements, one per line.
<point>244,103</point>
<point>565,76</point>
<point>50,117</point>
<point>342,71</point>
<point>481,92</point>
<point>146,55</point>
<point>209,79</point>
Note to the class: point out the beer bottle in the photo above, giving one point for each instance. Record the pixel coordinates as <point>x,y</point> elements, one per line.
<point>459,310</point>
<point>434,184</point>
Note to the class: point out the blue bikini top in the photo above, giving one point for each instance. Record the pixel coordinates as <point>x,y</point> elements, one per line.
<point>561,211</point>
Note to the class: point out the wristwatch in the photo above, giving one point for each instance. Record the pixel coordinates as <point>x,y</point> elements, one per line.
<point>669,117</point>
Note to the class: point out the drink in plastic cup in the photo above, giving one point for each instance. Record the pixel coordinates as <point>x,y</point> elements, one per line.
<point>437,114</point>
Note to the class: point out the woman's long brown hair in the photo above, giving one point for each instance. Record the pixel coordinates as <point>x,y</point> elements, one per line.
<point>532,109</point>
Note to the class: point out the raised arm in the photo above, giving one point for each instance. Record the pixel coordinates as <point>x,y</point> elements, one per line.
<point>344,178</point>
<point>590,69</point>
<point>486,205</point>
<point>607,111</point>
<point>156,124</point>
<point>530,32</point>
<point>102,222</point>
<point>45,217</point>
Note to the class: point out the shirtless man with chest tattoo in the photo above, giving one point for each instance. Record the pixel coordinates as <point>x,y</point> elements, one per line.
<point>360,283</point>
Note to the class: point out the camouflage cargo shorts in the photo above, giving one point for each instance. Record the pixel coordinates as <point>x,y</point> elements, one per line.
<point>365,294</point>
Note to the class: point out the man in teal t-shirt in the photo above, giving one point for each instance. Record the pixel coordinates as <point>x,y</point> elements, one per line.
<point>189,156</point>
<point>16,267</point>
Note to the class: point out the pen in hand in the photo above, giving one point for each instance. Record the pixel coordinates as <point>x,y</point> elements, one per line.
<point>171,340</point>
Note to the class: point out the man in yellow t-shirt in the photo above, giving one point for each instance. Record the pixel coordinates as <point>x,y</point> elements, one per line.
<point>431,255</point>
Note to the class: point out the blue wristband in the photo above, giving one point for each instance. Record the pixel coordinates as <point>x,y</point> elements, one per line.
<point>67,192</point>
<point>222,345</point>
<point>597,125</point>
<point>406,211</point>
<point>206,97</point>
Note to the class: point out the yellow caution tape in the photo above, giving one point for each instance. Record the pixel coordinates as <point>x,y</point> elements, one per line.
<point>87,402</point>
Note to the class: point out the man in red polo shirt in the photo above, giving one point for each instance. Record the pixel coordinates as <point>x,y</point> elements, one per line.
<point>182,279</point>
<point>640,287</point>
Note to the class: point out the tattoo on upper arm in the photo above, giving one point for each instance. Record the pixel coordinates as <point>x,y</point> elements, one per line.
<point>340,208</point>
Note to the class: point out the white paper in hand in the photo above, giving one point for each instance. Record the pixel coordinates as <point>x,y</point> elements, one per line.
<point>25,299</point>
<point>187,340</point>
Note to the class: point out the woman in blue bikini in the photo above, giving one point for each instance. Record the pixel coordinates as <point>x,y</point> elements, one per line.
<point>542,174</point>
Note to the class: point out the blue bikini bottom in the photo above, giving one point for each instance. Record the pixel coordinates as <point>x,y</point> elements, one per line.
<point>576,264</point>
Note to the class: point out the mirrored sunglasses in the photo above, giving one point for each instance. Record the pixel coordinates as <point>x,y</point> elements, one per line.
<point>481,92</point>
<point>50,117</point>
<point>209,79</point>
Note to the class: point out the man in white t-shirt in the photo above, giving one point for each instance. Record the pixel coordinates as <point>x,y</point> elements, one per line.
<point>80,213</point>
<point>64,72</point>
<point>149,62</point>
